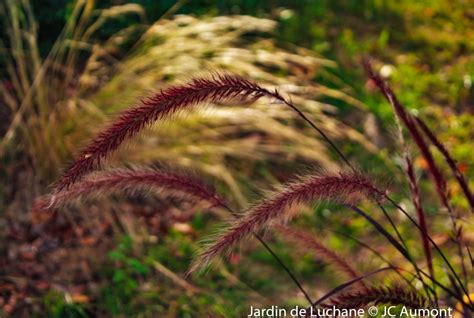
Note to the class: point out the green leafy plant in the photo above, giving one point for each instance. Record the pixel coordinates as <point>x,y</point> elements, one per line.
<point>57,306</point>
<point>124,278</point>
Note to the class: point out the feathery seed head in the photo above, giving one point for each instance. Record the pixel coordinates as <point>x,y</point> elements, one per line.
<point>124,180</point>
<point>217,88</point>
<point>395,295</point>
<point>344,187</point>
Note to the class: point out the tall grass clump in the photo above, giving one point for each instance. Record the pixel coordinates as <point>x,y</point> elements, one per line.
<point>64,96</point>
<point>442,278</point>
<point>250,120</point>
<point>56,101</point>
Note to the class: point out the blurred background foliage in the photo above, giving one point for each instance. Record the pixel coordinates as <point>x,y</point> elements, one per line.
<point>68,66</point>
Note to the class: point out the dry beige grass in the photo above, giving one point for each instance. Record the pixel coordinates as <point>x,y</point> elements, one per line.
<point>225,142</point>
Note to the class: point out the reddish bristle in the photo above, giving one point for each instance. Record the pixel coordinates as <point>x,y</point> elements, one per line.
<point>218,88</point>
<point>124,180</point>
<point>396,295</point>
<point>342,187</point>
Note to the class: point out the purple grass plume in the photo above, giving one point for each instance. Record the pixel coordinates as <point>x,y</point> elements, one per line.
<point>450,161</point>
<point>343,187</point>
<point>420,211</point>
<point>409,122</point>
<point>395,295</point>
<point>132,180</point>
<point>218,88</point>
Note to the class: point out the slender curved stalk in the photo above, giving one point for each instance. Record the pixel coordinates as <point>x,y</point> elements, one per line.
<point>376,253</point>
<point>451,162</point>
<point>276,257</point>
<point>438,249</point>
